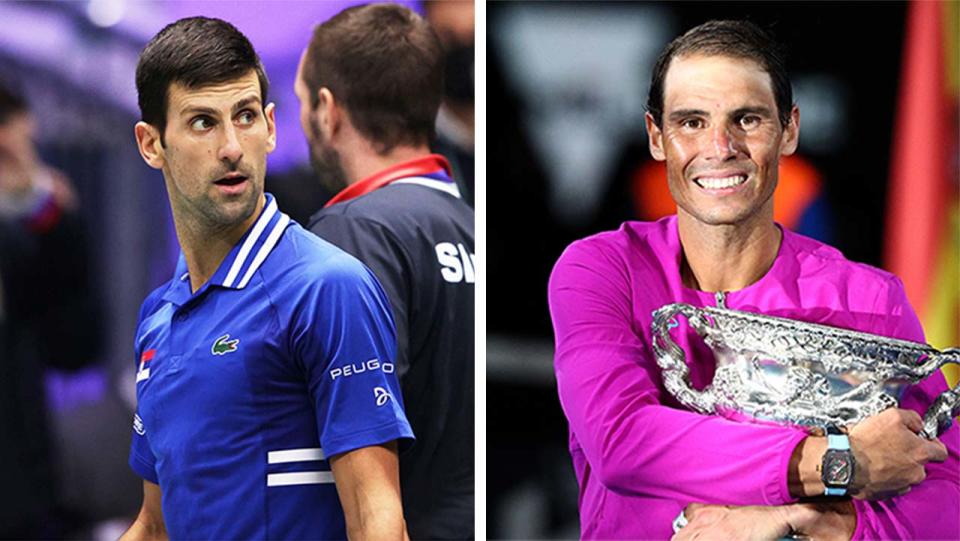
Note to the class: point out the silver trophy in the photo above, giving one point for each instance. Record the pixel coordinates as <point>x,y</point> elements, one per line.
<point>797,373</point>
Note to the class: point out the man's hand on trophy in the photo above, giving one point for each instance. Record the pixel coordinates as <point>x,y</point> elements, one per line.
<point>728,522</point>
<point>889,455</point>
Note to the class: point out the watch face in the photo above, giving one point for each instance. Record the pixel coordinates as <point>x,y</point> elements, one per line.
<point>837,468</point>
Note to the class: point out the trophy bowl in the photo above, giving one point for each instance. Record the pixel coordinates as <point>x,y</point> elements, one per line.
<point>802,374</point>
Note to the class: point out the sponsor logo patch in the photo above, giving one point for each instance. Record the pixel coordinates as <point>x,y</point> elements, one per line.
<point>224,345</point>
<point>353,369</point>
<point>382,395</point>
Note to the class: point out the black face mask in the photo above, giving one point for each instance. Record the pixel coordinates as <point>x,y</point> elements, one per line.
<point>458,73</point>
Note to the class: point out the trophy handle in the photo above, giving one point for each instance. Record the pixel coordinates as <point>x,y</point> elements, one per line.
<point>941,413</point>
<point>671,358</point>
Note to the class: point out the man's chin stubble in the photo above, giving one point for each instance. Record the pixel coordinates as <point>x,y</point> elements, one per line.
<point>329,172</point>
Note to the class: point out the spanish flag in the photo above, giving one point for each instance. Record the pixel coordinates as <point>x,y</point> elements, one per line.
<point>923,220</point>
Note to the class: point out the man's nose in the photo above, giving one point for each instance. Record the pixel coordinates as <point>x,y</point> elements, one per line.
<point>230,149</point>
<point>723,143</point>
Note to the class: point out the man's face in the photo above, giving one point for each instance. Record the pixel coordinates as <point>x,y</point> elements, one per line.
<point>453,21</point>
<point>17,155</point>
<point>16,138</point>
<point>217,141</point>
<point>721,138</point>
<point>323,156</point>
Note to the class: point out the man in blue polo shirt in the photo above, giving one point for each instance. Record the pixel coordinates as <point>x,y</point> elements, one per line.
<point>265,384</point>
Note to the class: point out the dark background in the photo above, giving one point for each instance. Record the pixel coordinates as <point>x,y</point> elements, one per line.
<point>846,58</point>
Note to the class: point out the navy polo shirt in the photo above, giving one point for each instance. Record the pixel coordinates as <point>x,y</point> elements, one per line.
<point>410,226</point>
<point>244,388</point>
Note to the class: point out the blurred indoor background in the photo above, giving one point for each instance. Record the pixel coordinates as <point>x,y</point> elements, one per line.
<point>74,63</point>
<point>567,157</point>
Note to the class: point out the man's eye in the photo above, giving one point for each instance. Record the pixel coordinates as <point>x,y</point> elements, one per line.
<point>692,123</point>
<point>247,117</point>
<point>201,123</point>
<point>749,121</point>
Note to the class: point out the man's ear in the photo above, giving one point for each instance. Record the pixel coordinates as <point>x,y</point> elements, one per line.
<point>791,133</point>
<point>329,113</point>
<point>148,143</point>
<point>654,138</point>
<point>268,113</point>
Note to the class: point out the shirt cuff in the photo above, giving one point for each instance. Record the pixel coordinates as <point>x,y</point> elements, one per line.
<point>395,430</point>
<point>141,468</point>
<point>777,492</point>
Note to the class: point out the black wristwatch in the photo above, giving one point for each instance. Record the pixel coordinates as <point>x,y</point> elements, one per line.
<point>838,466</point>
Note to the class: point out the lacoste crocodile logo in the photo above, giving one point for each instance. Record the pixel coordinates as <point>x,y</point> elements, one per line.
<point>224,345</point>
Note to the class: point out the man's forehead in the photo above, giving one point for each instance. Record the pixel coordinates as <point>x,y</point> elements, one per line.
<point>712,76</point>
<point>215,95</point>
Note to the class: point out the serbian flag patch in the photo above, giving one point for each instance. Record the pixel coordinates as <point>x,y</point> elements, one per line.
<point>144,371</point>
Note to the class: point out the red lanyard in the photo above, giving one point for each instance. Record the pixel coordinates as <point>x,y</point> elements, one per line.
<point>429,164</point>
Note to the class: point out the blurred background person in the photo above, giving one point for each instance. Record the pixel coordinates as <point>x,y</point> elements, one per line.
<point>568,158</point>
<point>75,62</point>
<point>49,318</point>
<point>453,21</point>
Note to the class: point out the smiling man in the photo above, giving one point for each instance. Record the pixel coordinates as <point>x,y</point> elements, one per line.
<point>267,405</point>
<point>720,114</point>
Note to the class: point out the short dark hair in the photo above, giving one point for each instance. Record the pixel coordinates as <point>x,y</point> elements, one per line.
<point>11,102</point>
<point>737,39</point>
<point>384,63</point>
<point>194,52</point>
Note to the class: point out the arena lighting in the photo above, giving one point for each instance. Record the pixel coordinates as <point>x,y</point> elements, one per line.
<point>106,13</point>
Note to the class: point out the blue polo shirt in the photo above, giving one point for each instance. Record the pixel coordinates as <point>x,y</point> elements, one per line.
<point>244,388</point>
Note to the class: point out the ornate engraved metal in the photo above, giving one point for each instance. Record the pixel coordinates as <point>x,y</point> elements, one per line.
<point>799,373</point>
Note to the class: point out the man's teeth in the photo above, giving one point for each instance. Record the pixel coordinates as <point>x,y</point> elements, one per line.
<point>712,183</point>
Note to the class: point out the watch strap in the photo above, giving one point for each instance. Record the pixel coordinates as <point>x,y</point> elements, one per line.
<point>839,442</point>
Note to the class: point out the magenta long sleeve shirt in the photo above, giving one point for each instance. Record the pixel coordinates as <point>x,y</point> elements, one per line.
<point>640,456</point>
